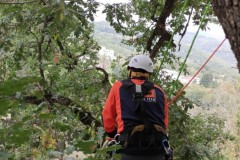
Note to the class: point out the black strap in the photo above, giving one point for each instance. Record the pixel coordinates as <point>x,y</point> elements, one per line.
<point>138,93</point>
<point>132,87</point>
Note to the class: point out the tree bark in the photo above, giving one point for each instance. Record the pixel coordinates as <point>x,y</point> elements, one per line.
<point>228,13</point>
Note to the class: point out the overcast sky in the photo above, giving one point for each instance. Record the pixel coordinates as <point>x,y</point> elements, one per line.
<point>112,1</point>
<point>215,30</point>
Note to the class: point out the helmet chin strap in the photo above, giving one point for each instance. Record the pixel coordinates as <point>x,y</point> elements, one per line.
<point>129,73</point>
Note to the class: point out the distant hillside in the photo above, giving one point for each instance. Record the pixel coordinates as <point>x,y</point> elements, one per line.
<point>106,36</point>
<point>221,63</point>
<point>209,44</point>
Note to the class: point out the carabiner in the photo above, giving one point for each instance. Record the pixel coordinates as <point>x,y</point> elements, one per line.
<point>116,138</point>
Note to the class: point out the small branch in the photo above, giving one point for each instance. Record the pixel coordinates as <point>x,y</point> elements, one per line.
<point>70,66</point>
<point>34,35</point>
<point>185,29</point>
<point>106,76</point>
<point>84,53</point>
<point>49,42</point>
<point>40,60</point>
<point>84,116</point>
<point>39,46</point>
<point>165,37</point>
<point>60,45</point>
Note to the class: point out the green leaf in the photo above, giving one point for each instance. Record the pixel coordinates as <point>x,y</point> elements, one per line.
<point>26,118</point>
<point>62,127</point>
<point>6,104</point>
<point>19,137</point>
<point>39,94</point>
<point>10,87</point>
<point>45,116</point>
<point>108,149</point>
<point>86,147</point>
<point>17,126</point>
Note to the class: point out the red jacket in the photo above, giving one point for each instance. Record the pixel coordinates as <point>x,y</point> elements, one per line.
<point>118,110</point>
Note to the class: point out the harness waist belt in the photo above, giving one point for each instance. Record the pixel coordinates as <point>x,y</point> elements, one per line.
<point>139,128</point>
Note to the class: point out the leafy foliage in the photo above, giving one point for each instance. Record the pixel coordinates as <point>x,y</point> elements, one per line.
<point>207,80</point>
<point>52,93</point>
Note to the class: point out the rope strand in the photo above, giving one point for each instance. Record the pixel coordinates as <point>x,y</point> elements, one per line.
<point>206,10</point>
<point>177,95</point>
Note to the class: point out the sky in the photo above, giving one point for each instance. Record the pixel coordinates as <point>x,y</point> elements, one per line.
<point>100,16</point>
<point>215,31</point>
<point>113,1</point>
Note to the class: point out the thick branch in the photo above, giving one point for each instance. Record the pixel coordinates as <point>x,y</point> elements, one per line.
<point>84,116</point>
<point>106,76</point>
<point>159,44</point>
<point>160,29</point>
<point>228,13</point>
<point>60,45</point>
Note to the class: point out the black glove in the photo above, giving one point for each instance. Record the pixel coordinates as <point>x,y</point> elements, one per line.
<point>112,134</point>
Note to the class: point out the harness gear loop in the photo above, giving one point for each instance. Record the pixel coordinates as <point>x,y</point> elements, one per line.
<point>116,139</point>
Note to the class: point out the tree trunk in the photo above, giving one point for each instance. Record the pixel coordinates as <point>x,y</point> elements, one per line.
<point>228,13</point>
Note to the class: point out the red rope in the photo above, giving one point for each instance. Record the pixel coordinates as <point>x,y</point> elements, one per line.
<point>177,95</point>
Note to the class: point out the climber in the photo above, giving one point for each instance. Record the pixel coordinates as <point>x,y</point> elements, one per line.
<point>136,114</point>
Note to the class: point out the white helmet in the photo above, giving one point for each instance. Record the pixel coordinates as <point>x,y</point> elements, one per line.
<point>141,62</point>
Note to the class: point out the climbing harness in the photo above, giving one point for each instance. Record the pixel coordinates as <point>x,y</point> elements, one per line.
<point>148,135</point>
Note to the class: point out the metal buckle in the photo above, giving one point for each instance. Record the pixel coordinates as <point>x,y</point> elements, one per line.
<point>116,138</point>
<point>166,146</point>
